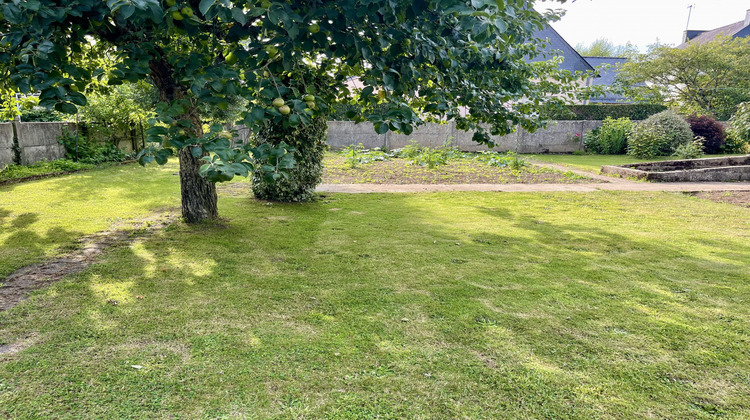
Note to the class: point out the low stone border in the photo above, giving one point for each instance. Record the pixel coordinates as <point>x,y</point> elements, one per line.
<point>722,169</point>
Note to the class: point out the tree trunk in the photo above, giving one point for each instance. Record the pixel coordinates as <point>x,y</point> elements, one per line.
<point>199,200</point>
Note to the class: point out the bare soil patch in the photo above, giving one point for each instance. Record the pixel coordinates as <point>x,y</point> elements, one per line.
<point>738,198</point>
<point>19,284</point>
<point>461,171</point>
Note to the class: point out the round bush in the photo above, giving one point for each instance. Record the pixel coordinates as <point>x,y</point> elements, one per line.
<point>738,134</point>
<point>711,130</point>
<point>659,135</point>
<point>310,142</point>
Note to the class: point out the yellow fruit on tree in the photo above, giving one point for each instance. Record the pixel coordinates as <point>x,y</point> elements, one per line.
<point>285,110</point>
<point>278,102</point>
<point>177,15</point>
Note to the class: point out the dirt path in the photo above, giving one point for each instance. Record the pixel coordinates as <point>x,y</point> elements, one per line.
<point>17,285</point>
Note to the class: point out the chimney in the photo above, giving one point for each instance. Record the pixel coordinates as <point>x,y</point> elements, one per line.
<point>747,17</point>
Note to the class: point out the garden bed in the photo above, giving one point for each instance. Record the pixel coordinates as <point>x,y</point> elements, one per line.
<point>722,169</point>
<point>456,171</point>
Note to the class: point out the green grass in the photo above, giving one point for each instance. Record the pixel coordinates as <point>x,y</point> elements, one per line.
<point>593,163</point>
<point>13,172</point>
<point>451,305</point>
<point>42,218</point>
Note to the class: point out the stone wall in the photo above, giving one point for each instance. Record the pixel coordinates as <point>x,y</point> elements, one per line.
<point>6,144</point>
<point>38,140</point>
<point>558,137</point>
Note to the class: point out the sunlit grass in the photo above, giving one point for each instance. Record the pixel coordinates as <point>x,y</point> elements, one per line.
<point>451,305</point>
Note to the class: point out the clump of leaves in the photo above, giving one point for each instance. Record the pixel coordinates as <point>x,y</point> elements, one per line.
<point>356,155</point>
<point>503,160</point>
<point>692,150</point>
<point>609,139</point>
<point>14,171</point>
<point>710,130</point>
<point>81,149</point>
<point>738,134</point>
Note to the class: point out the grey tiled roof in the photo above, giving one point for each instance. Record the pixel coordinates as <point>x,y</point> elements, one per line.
<point>557,46</point>
<point>734,30</point>
<point>608,68</point>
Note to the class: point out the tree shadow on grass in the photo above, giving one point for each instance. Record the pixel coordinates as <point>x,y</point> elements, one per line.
<point>281,306</point>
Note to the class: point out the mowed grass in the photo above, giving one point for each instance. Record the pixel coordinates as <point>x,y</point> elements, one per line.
<point>450,305</point>
<point>42,218</point>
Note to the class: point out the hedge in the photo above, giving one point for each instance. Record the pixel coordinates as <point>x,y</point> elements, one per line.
<point>594,112</point>
<point>599,112</point>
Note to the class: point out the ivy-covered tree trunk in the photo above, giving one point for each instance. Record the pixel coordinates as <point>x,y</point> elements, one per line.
<point>199,199</point>
<point>310,142</point>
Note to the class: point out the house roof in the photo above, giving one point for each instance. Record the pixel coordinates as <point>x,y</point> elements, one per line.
<point>739,29</point>
<point>608,68</point>
<point>558,46</point>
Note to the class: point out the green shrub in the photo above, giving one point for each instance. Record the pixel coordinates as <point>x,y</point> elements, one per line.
<point>44,167</point>
<point>41,114</point>
<point>659,135</point>
<point>87,151</point>
<point>609,139</point>
<point>309,140</point>
<point>692,150</point>
<point>599,112</point>
<point>738,134</point>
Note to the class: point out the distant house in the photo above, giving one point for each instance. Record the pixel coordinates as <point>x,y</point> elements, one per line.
<point>606,67</point>
<point>738,29</point>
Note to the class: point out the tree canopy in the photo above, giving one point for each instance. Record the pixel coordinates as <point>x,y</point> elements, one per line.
<point>709,78</point>
<point>603,47</point>
<point>424,59</point>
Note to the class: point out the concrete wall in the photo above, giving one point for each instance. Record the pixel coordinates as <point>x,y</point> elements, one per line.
<point>6,144</point>
<point>38,140</point>
<point>558,137</point>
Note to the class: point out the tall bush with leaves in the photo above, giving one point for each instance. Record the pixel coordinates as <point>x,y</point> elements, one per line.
<point>611,138</point>
<point>659,135</point>
<point>738,134</point>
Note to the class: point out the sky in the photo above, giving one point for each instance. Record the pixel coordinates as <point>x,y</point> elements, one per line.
<point>641,22</point>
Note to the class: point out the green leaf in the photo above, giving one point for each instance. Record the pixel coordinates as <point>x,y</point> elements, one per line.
<point>381,128</point>
<point>205,5</point>
<point>66,108</point>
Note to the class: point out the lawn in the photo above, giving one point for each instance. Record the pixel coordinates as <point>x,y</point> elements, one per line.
<point>593,163</point>
<point>445,305</point>
<point>42,218</point>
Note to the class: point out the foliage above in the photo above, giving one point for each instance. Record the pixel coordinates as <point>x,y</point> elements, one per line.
<point>603,47</point>
<point>710,78</point>
<point>424,59</point>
